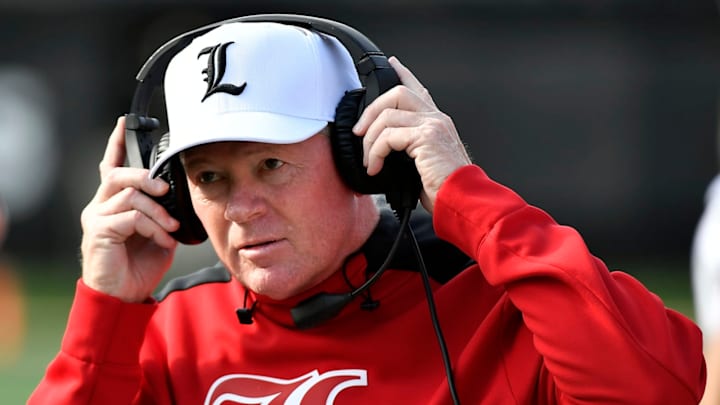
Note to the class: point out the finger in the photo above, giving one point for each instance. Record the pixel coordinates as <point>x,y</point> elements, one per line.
<point>115,150</point>
<point>126,224</point>
<point>408,79</point>
<point>397,98</point>
<point>120,178</point>
<point>387,119</point>
<point>131,199</point>
<point>391,139</point>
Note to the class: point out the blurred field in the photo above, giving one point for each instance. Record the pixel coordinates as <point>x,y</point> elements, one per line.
<point>48,295</point>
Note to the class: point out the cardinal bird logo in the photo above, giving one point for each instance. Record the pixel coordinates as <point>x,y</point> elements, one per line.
<point>311,388</point>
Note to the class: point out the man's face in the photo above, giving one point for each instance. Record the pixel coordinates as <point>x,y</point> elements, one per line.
<point>278,216</point>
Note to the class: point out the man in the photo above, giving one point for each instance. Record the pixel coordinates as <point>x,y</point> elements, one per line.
<point>705,270</point>
<point>537,319</point>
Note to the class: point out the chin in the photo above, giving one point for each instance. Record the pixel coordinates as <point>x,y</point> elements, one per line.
<point>270,284</point>
<point>276,294</point>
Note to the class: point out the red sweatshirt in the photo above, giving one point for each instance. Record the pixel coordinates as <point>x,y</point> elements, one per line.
<point>536,320</point>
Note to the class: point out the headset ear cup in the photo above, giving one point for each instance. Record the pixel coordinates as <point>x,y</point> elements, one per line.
<point>398,180</point>
<point>177,200</point>
<point>347,147</point>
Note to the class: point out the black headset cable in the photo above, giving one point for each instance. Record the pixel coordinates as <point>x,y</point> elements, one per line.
<point>433,315</point>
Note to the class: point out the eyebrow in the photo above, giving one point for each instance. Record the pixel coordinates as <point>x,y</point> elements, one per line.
<point>192,161</point>
<point>190,158</point>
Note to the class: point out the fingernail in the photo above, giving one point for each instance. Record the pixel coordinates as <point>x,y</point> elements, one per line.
<point>159,184</point>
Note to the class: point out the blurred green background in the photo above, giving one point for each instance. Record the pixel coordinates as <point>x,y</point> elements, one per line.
<point>45,304</point>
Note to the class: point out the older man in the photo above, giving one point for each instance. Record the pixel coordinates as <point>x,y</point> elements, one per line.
<point>535,319</point>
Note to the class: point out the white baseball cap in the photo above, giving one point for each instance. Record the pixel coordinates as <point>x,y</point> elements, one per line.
<point>254,81</point>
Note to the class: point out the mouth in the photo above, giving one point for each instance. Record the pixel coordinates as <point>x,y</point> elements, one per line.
<point>258,244</point>
<point>262,250</point>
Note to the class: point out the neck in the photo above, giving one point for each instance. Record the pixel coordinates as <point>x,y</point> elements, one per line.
<point>366,220</point>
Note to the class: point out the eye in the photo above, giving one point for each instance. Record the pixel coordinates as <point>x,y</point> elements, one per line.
<point>273,164</point>
<point>207,177</point>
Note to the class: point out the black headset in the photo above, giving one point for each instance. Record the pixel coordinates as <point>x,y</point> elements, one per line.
<point>398,180</point>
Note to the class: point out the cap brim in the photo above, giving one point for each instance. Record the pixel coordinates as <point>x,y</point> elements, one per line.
<point>239,127</point>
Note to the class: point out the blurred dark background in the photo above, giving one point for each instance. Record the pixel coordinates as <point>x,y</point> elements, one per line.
<point>604,113</point>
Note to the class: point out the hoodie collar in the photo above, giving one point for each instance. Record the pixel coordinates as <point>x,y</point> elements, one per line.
<point>443,260</point>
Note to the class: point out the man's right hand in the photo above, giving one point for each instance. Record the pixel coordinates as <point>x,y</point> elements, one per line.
<point>126,245</point>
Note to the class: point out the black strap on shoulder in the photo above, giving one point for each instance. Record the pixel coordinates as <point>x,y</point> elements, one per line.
<point>215,274</point>
<point>443,260</point>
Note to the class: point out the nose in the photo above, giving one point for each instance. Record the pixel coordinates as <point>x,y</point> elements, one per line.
<point>245,204</point>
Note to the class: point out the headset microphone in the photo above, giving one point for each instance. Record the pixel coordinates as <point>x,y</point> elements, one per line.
<point>324,306</point>
<point>245,314</point>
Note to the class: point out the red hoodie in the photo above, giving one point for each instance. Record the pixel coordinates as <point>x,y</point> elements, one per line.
<point>537,319</point>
